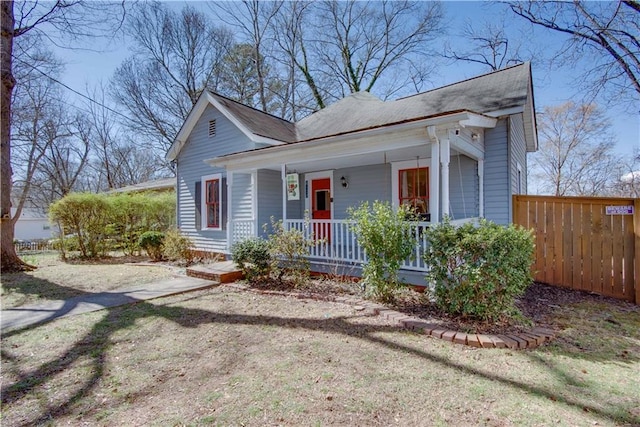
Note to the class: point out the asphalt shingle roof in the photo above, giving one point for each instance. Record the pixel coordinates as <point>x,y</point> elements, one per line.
<point>490,92</point>
<point>258,122</point>
<point>496,91</point>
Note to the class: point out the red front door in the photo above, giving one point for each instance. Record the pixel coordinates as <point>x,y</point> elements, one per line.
<point>321,207</point>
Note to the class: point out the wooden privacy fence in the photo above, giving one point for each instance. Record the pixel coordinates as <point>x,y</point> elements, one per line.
<point>586,243</point>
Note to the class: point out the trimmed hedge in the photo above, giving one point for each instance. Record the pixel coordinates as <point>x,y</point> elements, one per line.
<point>479,271</point>
<point>107,222</point>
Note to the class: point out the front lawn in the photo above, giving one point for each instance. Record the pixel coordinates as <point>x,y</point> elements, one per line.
<point>230,357</point>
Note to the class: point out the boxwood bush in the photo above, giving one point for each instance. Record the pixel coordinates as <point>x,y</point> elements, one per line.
<point>479,271</point>
<point>252,256</point>
<point>152,242</point>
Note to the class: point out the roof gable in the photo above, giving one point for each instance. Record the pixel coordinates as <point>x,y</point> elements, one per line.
<point>256,125</point>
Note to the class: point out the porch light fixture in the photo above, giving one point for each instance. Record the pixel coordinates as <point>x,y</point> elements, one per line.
<point>344,182</point>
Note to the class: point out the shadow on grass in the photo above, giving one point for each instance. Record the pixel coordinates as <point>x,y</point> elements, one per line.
<point>598,331</point>
<point>95,345</point>
<point>26,284</point>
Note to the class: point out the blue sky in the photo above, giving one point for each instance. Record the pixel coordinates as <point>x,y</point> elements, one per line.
<point>88,68</point>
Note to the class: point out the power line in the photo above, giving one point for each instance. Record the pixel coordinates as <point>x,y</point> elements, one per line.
<point>73,90</point>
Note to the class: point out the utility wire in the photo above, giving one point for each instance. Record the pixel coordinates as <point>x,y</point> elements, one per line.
<point>73,90</point>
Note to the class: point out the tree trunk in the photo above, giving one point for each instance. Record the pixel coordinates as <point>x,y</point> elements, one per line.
<point>8,258</point>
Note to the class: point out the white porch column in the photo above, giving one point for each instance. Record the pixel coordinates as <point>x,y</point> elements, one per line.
<point>445,157</point>
<point>284,193</point>
<point>434,179</point>
<point>229,210</point>
<point>254,203</point>
<point>481,188</point>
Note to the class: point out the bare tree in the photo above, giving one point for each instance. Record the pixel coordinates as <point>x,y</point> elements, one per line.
<point>113,155</point>
<point>628,184</point>
<point>254,19</point>
<point>176,57</point>
<point>64,160</point>
<point>575,155</point>
<point>603,35</point>
<point>489,46</point>
<point>37,121</point>
<point>290,34</point>
<point>359,42</point>
<point>74,19</point>
<point>335,48</point>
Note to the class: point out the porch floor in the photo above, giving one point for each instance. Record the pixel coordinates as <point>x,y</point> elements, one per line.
<point>222,272</point>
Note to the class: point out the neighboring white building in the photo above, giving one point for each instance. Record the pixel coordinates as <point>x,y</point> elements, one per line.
<point>33,224</point>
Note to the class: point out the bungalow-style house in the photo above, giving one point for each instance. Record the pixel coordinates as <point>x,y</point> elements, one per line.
<point>456,151</point>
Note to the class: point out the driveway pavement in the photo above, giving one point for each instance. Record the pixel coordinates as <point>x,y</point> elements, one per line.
<point>20,317</point>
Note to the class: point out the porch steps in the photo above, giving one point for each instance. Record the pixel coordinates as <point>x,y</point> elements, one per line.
<point>221,272</point>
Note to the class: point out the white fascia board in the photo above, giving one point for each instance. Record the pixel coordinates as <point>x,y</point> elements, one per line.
<point>187,127</point>
<point>480,121</point>
<point>331,147</point>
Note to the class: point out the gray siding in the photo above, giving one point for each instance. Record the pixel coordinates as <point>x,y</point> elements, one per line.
<point>269,185</point>
<point>496,174</point>
<point>366,184</point>
<point>463,187</point>
<point>191,168</point>
<point>518,153</point>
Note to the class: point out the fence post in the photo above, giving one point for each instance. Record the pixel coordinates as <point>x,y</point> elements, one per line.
<point>636,229</point>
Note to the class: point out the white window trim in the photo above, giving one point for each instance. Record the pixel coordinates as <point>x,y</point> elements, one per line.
<point>203,201</point>
<point>396,167</point>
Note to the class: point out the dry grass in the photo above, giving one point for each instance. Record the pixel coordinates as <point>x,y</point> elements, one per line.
<point>228,357</point>
<point>56,280</point>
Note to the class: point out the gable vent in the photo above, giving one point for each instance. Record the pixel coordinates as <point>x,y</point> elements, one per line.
<point>212,128</point>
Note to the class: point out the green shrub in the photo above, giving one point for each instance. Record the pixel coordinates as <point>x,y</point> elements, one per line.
<point>252,256</point>
<point>160,211</point>
<point>109,222</point>
<point>131,214</point>
<point>126,214</point>
<point>289,250</point>
<point>152,242</point>
<point>385,235</point>
<point>85,216</point>
<point>177,247</point>
<point>479,271</point>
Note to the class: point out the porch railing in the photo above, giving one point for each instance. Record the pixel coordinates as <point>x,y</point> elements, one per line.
<point>336,241</point>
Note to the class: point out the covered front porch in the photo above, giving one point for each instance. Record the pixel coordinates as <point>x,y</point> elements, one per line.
<point>435,165</point>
